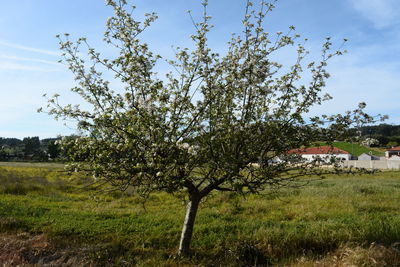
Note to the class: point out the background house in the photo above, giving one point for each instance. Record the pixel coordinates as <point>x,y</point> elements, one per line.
<point>365,156</point>
<point>323,152</point>
<point>394,151</point>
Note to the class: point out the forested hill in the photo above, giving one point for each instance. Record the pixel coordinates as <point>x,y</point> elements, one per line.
<point>387,135</point>
<point>382,129</point>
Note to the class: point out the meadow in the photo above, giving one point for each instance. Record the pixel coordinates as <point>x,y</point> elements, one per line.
<point>357,149</point>
<point>49,216</point>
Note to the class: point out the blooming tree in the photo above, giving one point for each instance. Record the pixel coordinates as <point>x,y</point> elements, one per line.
<point>214,123</point>
<point>370,142</point>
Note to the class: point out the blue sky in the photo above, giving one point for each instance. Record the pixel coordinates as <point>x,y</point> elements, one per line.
<point>29,53</point>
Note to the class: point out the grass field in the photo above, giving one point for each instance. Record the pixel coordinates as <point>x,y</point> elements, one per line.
<point>357,149</point>
<point>45,213</point>
<point>48,165</point>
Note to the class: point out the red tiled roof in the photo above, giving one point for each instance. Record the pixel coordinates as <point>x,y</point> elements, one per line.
<point>396,148</point>
<point>318,150</point>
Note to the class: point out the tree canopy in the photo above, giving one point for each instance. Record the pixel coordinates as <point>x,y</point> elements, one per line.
<point>29,149</point>
<point>215,122</point>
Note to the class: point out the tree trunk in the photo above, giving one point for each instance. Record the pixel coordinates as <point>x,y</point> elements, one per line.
<point>187,231</point>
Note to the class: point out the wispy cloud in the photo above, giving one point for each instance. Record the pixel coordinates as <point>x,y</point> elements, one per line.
<point>36,60</point>
<point>381,13</point>
<point>12,66</point>
<point>351,83</point>
<point>31,49</point>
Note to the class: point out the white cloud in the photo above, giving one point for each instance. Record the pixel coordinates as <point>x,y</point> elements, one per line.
<point>36,60</point>
<point>14,62</point>
<point>12,66</point>
<point>354,81</point>
<point>28,48</point>
<point>382,13</point>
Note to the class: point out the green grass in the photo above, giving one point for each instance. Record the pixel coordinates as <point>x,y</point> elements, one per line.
<point>229,231</point>
<point>32,164</point>
<point>357,149</point>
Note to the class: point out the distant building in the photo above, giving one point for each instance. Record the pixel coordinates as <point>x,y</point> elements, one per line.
<point>323,152</point>
<point>365,156</point>
<point>394,151</point>
<point>394,157</point>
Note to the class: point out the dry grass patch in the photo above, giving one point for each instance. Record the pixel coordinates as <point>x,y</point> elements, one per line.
<point>347,256</point>
<point>26,250</point>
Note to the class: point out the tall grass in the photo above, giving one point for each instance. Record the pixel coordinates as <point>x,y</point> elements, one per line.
<point>264,229</point>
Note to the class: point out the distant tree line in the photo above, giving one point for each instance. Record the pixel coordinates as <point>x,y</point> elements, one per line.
<point>387,135</point>
<point>35,149</point>
<point>29,149</point>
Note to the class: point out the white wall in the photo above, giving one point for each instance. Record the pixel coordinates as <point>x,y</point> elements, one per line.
<point>372,164</point>
<point>326,157</point>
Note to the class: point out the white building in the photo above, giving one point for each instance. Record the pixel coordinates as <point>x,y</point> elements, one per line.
<point>325,153</point>
<point>394,151</point>
<point>365,156</point>
<point>394,157</point>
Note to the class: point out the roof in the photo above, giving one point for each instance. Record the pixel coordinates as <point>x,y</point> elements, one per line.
<point>320,150</point>
<point>365,154</point>
<point>396,148</point>
<point>368,155</point>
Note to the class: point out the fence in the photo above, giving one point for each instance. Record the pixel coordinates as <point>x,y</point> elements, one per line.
<point>372,164</point>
